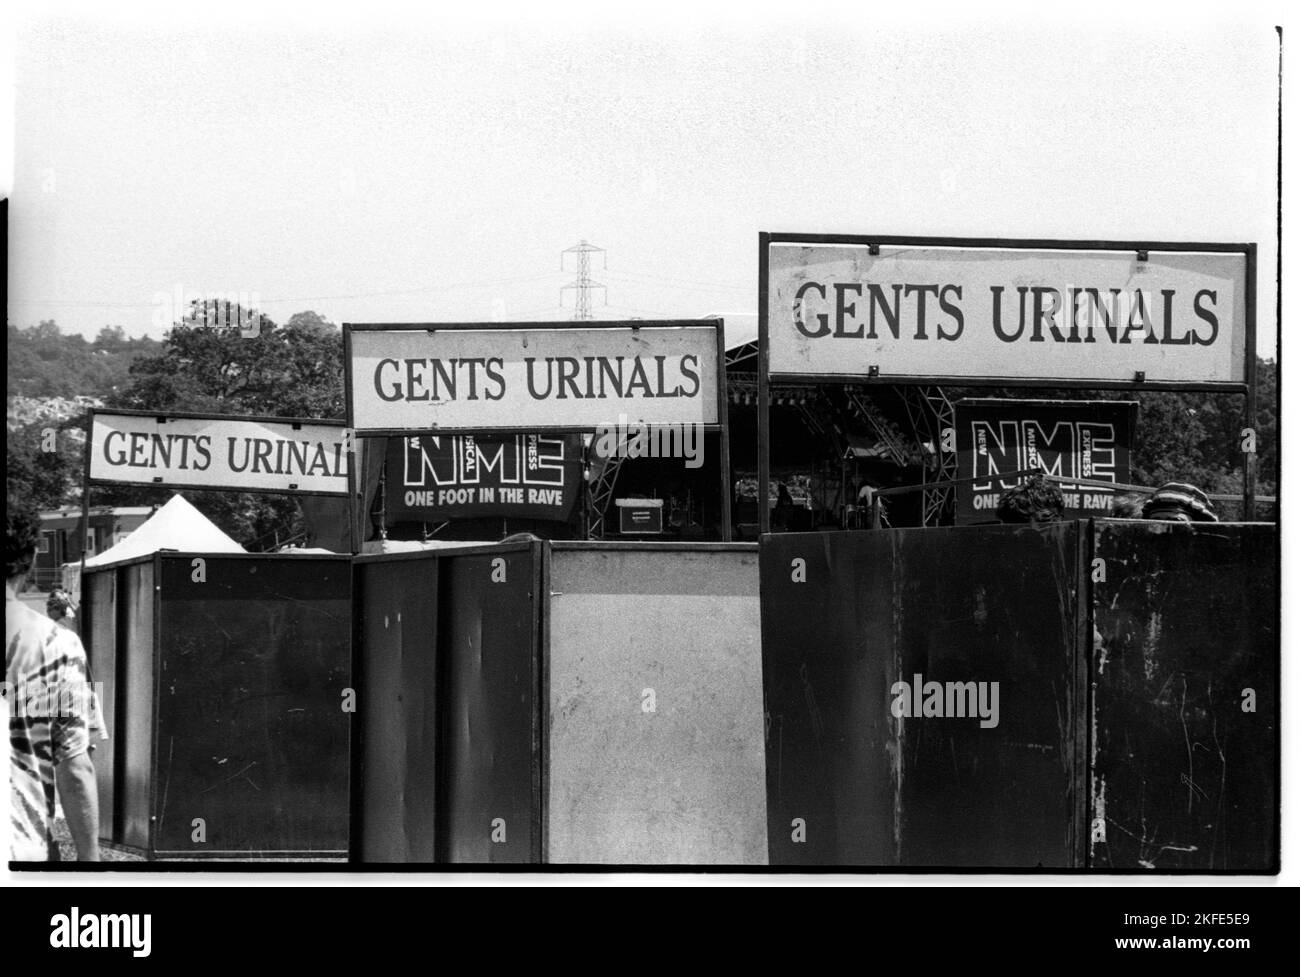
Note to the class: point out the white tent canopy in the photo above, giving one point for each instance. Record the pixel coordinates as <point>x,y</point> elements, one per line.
<point>175,526</point>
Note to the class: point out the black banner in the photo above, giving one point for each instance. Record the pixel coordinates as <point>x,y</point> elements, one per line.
<point>431,478</point>
<point>1227,929</point>
<point>1070,438</point>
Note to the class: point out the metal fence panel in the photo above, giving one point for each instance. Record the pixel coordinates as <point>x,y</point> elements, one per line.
<point>1185,697</point>
<point>828,665</point>
<point>252,739</point>
<point>396,604</point>
<point>861,632</point>
<point>136,651</point>
<point>654,706</point>
<point>489,670</point>
<point>996,606</point>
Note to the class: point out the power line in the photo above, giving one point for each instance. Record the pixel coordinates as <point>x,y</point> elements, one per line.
<point>79,303</point>
<point>681,281</point>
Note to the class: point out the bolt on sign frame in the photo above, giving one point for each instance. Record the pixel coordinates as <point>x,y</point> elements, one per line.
<point>368,419</point>
<point>187,423</point>
<point>961,258</point>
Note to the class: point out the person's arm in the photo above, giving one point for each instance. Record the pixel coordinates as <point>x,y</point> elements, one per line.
<point>74,772</point>
<point>75,779</point>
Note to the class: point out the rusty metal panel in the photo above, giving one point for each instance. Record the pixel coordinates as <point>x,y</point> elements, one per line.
<point>136,652</point>
<point>654,706</point>
<point>254,656</point>
<point>1185,766</point>
<point>489,670</point>
<point>828,664</point>
<point>996,606</point>
<point>396,606</point>
<point>99,630</point>
<point>855,628</point>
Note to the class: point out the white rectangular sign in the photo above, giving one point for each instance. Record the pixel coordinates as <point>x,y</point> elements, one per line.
<point>246,454</point>
<point>534,378</point>
<point>1006,313</point>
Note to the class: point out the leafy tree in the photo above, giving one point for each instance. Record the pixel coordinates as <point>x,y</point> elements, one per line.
<point>42,362</point>
<point>47,479</point>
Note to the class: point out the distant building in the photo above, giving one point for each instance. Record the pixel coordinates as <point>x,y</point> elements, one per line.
<point>60,540</point>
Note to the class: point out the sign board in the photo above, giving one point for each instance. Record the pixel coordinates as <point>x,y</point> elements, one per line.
<point>247,454</point>
<point>431,478</point>
<point>1091,315</point>
<point>640,516</point>
<point>534,377</point>
<point>1070,438</point>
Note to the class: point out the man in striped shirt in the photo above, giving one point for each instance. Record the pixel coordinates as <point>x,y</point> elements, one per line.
<point>51,703</point>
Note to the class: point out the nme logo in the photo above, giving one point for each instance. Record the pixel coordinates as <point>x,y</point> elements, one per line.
<point>1069,449</point>
<point>75,931</point>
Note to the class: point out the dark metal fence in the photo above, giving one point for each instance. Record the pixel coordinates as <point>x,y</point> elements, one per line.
<point>1173,636</point>
<point>224,681</point>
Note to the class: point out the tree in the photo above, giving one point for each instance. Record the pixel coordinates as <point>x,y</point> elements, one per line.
<point>111,338</point>
<point>43,463</point>
<point>42,362</point>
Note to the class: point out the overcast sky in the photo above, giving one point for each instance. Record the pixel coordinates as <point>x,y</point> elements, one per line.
<point>418,170</point>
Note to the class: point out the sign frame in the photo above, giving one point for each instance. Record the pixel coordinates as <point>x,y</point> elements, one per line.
<point>722,427</point>
<point>87,483</point>
<point>1247,387</point>
<point>164,416</point>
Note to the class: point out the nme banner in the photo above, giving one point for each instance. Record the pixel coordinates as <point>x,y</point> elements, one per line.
<point>239,453</point>
<point>432,478</point>
<point>1070,438</point>
<point>1006,313</point>
<point>404,380</point>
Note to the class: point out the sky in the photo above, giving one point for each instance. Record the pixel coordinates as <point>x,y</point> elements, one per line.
<point>406,168</point>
